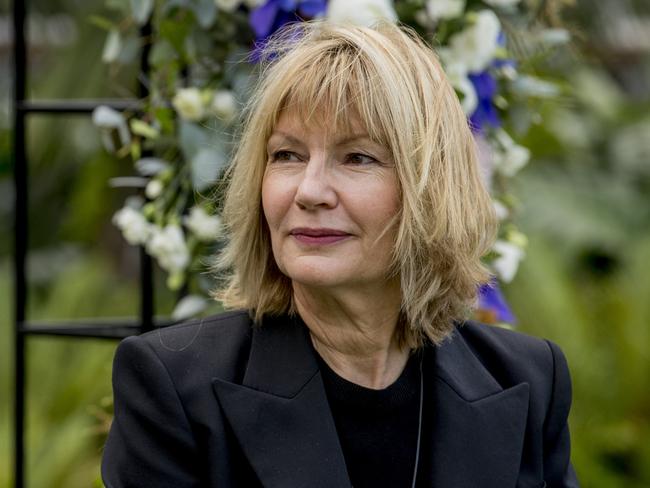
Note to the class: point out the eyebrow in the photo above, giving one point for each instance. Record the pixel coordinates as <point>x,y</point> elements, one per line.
<point>344,140</point>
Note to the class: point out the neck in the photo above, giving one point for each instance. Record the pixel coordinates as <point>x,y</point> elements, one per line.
<point>356,332</point>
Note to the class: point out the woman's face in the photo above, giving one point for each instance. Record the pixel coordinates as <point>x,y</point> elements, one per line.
<point>329,200</point>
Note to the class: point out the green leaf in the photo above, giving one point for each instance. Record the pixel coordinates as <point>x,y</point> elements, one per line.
<point>136,150</point>
<point>101,22</point>
<point>165,117</point>
<point>176,280</point>
<point>175,31</point>
<point>141,128</point>
<point>162,53</point>
<point>141,10</point>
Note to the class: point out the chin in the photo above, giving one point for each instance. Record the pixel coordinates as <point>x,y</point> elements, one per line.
<point>317,276</point>
<point>320,280</point>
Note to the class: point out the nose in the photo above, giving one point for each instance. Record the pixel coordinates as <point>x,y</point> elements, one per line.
<point>315,189</point>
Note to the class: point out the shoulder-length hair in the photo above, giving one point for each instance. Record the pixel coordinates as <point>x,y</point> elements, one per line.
<point>391,81</point>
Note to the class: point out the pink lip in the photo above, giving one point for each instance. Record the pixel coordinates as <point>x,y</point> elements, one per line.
<point>318,236</point>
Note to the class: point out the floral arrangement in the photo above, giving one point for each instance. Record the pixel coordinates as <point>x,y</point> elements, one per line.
<point>201,69</point>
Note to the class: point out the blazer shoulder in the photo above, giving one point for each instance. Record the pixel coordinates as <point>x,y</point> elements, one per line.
<point>227,325</point>
<point>214,346</point>
<point>512,356</point>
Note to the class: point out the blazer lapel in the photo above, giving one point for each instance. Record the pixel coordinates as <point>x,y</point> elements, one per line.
<point>280,413</point>
<point>283,423</point>
<point>478,427</point>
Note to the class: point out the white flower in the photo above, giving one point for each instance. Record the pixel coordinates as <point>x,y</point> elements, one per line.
<point>224,105</point>
<point>134,226</point>
<point>500,210</point>
<point>501,3</point>
<point>457,75</point>
<point>507,263</point>
<point>510,157</point>
<point>361,12</point>
<point>475,47</point>
<point>227,5</point>
<point>168,246</point>
<point>189,306</point>
<point>531,86</point>
<point>153,189</point>
<point>445,9</point>
<point>188,102</point>
<point>509,161</point>
<point>107,119</point>
<point>204,226</point>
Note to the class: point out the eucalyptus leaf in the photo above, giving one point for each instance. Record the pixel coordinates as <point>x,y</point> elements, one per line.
<point>206,166</point>
<point>243,83</point>
<point>172,4</point>
<point>205,12</point>
<point>134,201</point>
<point>141,10</point>
<point>150,166</point>
<point>531,86</point>
<point>120,5</point>
<point>189,306</point>
<point>108,118</point>
<point>112,46</point>
<point>193,138</point>
<point>130,50</point>
<point>162,53</point>
<point>128,182</point>
<point>554,37</point>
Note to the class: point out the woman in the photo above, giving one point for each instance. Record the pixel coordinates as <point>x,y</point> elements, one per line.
<point>357,220</point>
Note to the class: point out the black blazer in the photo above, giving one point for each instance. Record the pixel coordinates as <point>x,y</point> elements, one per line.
<point>218,403</point>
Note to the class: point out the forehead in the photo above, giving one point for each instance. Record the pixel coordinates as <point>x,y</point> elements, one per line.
<point>296,122</point>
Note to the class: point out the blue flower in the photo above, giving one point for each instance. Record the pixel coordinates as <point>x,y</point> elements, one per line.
<point>492,306</point>
<point>485,86</point>
<point>486,113</point>
<point>273,14</point>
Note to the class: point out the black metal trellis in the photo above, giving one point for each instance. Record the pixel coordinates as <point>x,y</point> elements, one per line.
<point>23,328</point>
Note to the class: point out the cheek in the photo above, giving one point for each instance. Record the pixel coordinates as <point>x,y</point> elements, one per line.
<point>379,204</point>
<point>275,202</point>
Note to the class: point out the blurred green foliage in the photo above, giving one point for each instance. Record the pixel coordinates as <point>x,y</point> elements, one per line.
<point>68,380</point>
<point>585,282</point>
<point>601,323</point>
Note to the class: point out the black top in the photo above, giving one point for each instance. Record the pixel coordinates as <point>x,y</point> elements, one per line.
<point>377,429</point>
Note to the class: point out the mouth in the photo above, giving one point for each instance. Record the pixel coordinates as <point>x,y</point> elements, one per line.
<point>318,236</point>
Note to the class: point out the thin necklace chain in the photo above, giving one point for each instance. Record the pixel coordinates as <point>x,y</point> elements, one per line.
<point>417,448</point>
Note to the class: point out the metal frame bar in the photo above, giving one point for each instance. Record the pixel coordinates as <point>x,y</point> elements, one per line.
<point>96,328</point>
<point>73,106</point>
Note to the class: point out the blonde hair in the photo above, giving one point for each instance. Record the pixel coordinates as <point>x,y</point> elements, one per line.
<point>391,81</point>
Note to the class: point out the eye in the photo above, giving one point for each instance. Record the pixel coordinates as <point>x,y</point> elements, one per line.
<point>286,156</point>
<point>359,159</point>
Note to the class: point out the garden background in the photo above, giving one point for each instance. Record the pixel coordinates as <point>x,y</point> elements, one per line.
<point>584,206</point>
